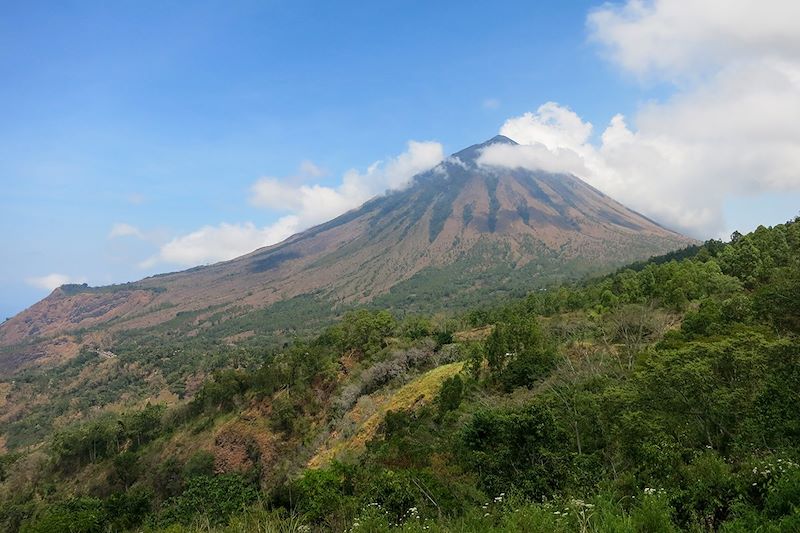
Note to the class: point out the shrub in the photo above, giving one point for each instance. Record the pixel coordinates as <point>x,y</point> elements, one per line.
<point>199,464</point>
<point>653,515</point>
<point>519,448</point>
<point>325,496</point>
<point>125,469</point>
<point>215,497</point>
<point>168,479</point>
<point>450,394</point>
<point>79,515</point>
<point>126,510</point>
<point>519,353</point>
<point>783,497</point>
<point>710,489</point>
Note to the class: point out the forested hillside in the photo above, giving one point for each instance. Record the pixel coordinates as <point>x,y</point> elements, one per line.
<point>663,397</point>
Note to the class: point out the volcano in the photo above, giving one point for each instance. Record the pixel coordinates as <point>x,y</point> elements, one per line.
<point>459,233</point>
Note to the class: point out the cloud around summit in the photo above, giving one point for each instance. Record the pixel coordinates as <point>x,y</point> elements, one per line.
<point>730,128</point>
<point>303,205</point>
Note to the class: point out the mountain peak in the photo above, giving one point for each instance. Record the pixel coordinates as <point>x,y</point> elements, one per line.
<point>500,139</point>
<point>471,153</point>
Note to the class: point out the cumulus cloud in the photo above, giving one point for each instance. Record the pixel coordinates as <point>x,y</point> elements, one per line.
<point>552,125</point>
<point>671,39</point>
<point>121,229</point>
<point>645,169</point>
<point>210,244</point>
<point>553,139</point>
<point>304,205</point>
<point>51,281</point>
<point>312,204</point>
<point>730,128</point>
<point>534,156</point>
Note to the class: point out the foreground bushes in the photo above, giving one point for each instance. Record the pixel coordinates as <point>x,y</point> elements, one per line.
<point>658,399</point>
<point>120,512</point>
<point>215,497</point>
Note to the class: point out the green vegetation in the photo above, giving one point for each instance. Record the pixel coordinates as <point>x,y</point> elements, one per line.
<point>77,288</point>
<point>483,276</point>
<point>662,397</point>
<point>105,437</point>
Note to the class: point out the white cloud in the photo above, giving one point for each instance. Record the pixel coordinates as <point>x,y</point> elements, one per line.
<point>552,125</point>
<point>396,172</point>
<point>312,204</point>
<point>210,244</point>
<point>305,205</point>
<point>51,281</point>
<point>534,156</point>
<point>121,229</point>
<point>553,139</point>
<point>731,128</point>
<point>671,39</point>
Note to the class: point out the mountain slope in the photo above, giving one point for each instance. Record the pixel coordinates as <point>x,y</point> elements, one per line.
<point>472,225</point>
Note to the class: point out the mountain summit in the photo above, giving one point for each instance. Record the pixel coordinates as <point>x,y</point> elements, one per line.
<point>459,233</point>
<point>472,153</point>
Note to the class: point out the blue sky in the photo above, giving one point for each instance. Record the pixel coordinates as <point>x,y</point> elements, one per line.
<point>161,116</point>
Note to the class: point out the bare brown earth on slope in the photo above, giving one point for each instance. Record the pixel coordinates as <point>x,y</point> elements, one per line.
<point>457,212</point>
